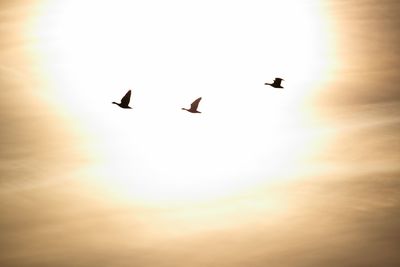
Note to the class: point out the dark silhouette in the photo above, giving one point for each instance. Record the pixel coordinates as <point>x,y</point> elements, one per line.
<point>193,106</point>
<point>277,83</point>
<point>125,100</point>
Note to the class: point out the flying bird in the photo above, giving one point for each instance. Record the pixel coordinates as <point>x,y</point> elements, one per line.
<point>276,83</point>
<point>193,106</point>
<point>125,100</point>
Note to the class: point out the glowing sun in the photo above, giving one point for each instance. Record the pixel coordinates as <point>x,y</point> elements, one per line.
<point>170,53</point>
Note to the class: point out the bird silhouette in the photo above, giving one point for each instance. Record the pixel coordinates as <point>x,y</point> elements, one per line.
<point>276,83</point>
<point>125,100</point>
<point>193,106</point>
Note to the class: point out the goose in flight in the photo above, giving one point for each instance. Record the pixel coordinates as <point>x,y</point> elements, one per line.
<point>276,83</point>
<point>193,106</point>
<point>125,100</point>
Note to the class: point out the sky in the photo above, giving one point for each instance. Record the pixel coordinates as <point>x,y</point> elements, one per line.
<point>307,175</point>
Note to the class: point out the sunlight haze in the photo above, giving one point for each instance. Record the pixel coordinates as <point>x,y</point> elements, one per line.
<point>304,175</point>
<point>169,54</point>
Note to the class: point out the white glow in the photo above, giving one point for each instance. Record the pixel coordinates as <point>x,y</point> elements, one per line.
<point>169,53</point>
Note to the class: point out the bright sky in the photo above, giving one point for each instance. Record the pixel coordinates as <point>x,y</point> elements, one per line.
<point>261,177</point>
<point>170,53</point>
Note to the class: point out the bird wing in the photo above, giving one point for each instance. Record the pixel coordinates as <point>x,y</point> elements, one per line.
<point>278,80</point>
<point>195,104</point>
<point>125,100</point>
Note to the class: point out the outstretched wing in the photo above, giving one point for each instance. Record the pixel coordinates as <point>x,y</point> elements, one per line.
<point>278,81</point>
<point>195,104</point>
<point>125,100</point>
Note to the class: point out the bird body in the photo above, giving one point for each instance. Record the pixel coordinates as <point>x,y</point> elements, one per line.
<point>193,106</point>
<point>276,83</point>
<point>125,100</point>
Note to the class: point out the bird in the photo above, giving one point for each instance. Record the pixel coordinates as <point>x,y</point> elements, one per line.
<point>125,100</point>
<point>193,106</point>
<point>276,83</point>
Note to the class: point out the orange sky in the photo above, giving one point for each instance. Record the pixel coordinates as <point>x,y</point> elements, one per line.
<point>306,176</point>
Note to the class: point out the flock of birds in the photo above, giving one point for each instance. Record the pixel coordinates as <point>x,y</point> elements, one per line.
<point>193,107</point>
